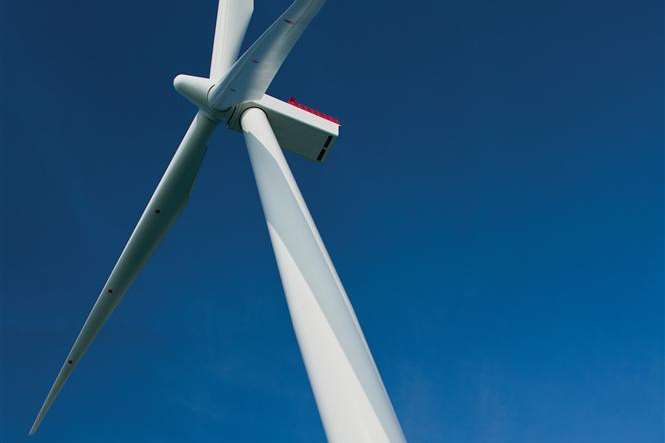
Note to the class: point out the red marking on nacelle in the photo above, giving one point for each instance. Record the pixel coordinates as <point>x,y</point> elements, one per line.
<point>292,101</point>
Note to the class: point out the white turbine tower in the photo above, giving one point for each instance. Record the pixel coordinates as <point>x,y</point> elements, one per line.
<point>352,401</point>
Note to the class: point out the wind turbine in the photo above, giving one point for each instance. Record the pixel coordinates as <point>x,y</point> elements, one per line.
<point>351,398</point>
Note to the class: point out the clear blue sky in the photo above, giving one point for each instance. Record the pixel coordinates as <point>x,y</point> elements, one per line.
<point>494,207</point>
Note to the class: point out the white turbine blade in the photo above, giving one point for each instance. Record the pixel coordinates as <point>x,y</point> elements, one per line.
<point>352,401</point>
<point>169,198</point>
<point>233,17</point>
<point>252,73</point>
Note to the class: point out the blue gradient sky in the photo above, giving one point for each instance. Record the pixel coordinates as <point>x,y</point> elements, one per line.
<point>494,207</point>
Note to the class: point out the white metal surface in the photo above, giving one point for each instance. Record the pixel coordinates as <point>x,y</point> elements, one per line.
<point>352,401</point>
<point>297,130</point>
<point>233,17</point>
<point>252,73</point>
<point>163,208</point>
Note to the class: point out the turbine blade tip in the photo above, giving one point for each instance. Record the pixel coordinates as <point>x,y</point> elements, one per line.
<point>35,425</point>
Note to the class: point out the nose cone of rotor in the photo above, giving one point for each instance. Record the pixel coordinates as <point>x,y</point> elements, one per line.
<point>194,89</point>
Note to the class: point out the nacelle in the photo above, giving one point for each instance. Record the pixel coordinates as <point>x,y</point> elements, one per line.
<point>297,128</point>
